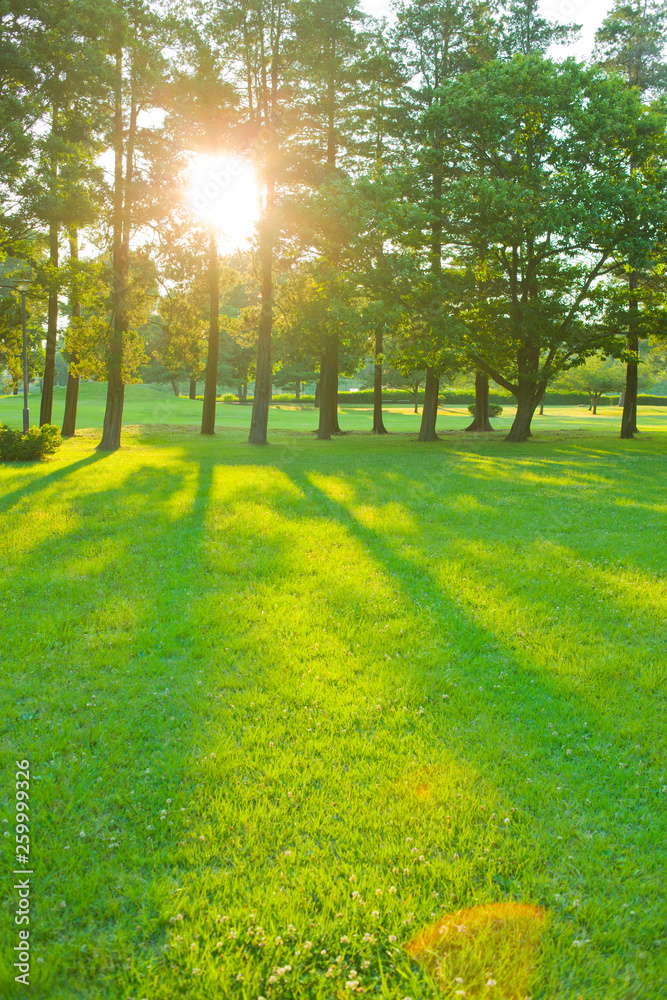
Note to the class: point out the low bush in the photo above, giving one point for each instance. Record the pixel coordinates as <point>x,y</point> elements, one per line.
<point>33,446</point>
<point>495,409</point>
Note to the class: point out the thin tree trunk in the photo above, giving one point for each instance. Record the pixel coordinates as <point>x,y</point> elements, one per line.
<point>211,384</point>
<point>416,398</point>
<point>175,387</point>
<point>480,421</point>
<point>297,394</point>
<point>259,420</point>
<point>542,398</point>
<point>325,427</point>
<point>378,423</point>
<point>72,393</point>
<point>595,404</point>
<point>629,418</point>
<point>113,415</point>
<point>193,389</point>
<point>318,392</point>
<point>430,408</point>
<point>15,390</point>
<point>46,408</point>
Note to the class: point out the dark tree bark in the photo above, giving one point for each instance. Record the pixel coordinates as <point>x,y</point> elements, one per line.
<point>378,423</point>
<point>526,404</point>
<point>416,394</point>
<point>629,418</point>
<point>72,393</point>
<point>193,389</point>
<point>542,398</point>
<point>211,383</point>
<point>259,420</point>
<point>15,390</point>
<point>46,407</point>
<point>430,408</point>
<point>297,394</point>
<point>113,415</point>
<point>481,421</point>
<point>596,397</point>
<point>328,422</point>
<point>175,387</point>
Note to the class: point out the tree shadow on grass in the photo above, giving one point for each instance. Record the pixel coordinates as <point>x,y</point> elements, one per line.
<point>502,728</point>
<point>43,482</point>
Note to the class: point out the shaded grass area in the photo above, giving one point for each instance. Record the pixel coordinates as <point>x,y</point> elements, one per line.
<point>148,405</point>
<point>285,707</point>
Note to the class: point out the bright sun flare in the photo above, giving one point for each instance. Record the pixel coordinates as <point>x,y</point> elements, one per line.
<point>223,191</point>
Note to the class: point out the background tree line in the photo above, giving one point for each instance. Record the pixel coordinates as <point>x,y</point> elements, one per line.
<point>437,195</point>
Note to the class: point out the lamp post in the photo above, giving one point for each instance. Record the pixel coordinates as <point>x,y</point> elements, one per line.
<point>23,287</point>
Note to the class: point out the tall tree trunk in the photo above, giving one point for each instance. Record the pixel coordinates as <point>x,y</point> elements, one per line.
<point>629,418</point>
<point>72,393</point>
<point>430,408</point>
<point>245,392</point>
<point>15,390</point>
<point>328,398</point>
<point>378,423</point>
<point>46,408</point>
<point>525,408</point>
<point>416,398</point>
<point>211,383</point>
<point>259,420</point>
<point>297,394</point>
<point>175,387</point>
<point>481,421</point>
<point>193,389</point>
<point>113,415</point>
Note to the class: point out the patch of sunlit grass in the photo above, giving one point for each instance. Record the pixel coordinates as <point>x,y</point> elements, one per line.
<point>289,708</point>
<point>482,948</point>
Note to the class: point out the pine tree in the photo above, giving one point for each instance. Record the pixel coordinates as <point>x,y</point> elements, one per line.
<point>631,42</point>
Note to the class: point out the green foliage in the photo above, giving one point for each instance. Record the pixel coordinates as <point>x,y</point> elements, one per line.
<point>33,446</point>
<point>495,410</point>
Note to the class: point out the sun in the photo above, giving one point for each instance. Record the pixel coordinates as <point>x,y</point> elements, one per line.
<point>223,192</point>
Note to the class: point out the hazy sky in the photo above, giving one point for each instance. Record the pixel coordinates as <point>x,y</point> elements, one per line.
<point>588,13</point>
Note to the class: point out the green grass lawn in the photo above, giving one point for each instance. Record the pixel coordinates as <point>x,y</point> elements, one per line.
<point>146,404</point>
<point>285,707</point>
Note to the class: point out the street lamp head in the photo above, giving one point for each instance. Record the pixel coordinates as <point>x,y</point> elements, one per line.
<point>23,285</point>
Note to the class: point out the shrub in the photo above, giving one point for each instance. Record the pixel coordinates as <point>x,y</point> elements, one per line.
<point>495,409</point>
<point>33,446</point>
<point>228,397</point>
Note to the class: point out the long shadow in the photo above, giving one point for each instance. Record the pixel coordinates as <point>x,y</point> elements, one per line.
<point>43,482</point>
<point>503,721</point>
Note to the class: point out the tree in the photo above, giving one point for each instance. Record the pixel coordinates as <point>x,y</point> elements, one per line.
<point>537,199</point>
<point>444,40</point>
<point>138,64</point>
<point>631,42</point>
<point>597,376</point>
